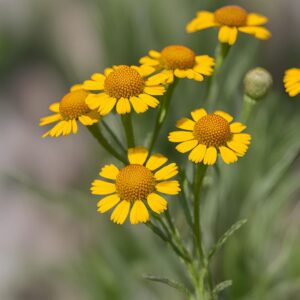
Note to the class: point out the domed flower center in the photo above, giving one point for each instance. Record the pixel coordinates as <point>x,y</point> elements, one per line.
<point>231,15</point>
<point>212,130</point>
<point>124,82</point>
<point>177,57</point>
<point>73,105</point>
<point>135,182</point>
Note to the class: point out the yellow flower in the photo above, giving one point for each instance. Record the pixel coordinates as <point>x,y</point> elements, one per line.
<point>123,87</point>
<point>208,134</point>
<point>292,81</point>
<point>72,107</point>
<point>135,186</point>
<point>231,19</point>
<point>179,61</point>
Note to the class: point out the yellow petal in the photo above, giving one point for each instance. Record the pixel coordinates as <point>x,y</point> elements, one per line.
<point>244,138</point>
<point>100,187</point>
<point>197,154</point>
<point>106,107</point>
<point>181,73</point>
<point>256,19</point>
<point>224,115</point>
<point>168,187</point>
<point>210,156</point>
<point>240,148</point>
<point>154,90</point>
<point>228,35</point>
<point>227,155</point>
<point>109,171</point>
<point>50,119</point>
<point>185,124</point>
<point>123,106</point>
<point>54,107</point>
<point>180,136</point>
<point>149,100</point>
<point>204,19</point>
<point>144,70</point>
<point>98,77</point>
<point>146,60</point>
<point>166,172</point>
<point>237,127</point>
<point>139,105</point>
<point>137,155</point>
<point>108,202</point>
<point>92,85</point>
<point>186,146</point>
<point>157,203</point>
<point>257,31</point>
<point>74,126</point>
<point>94,101</point>
<point>120,213</point>
<point>76,87</point>
<point>198,114</point>
<point>90,118</point>
<point>139,213</point>
<point>155,161</point>
<point>154,54</point>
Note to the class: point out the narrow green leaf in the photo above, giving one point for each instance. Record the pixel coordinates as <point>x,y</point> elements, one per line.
<point>172,283</point>
<point>235,227</point>
<point>222,286</point>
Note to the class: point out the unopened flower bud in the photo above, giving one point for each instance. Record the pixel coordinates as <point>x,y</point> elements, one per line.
<point>257,83</point>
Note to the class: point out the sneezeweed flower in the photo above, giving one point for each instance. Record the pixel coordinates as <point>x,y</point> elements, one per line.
<point>179,61</point>
<point>230,20</point>
<point>123,86</point>
<point>292,82</point>
<point>136,186</point>
<point>206,135</point>
<point>68,111</point>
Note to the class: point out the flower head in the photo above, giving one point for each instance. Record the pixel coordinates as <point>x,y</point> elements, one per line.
<point>68,111</point>
<point>179,61</point>
<point>206,135</point>
<point>136,186</point>
<point>231,19</point>
<point>292,81</point>
<point>123,86</point>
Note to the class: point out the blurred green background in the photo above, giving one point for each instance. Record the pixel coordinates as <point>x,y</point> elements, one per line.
<point>53,243</point>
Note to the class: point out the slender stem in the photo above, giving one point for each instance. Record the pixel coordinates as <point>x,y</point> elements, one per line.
<point>221,53</point>
<point>162,112</point>
<point>127,123</point>
<point>113,135</point>
<point>97,134</point>
<point>248,105</point>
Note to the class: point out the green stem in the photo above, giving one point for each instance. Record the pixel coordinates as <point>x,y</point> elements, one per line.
<point>97,134</point>
<point>162,112</point>
<point>127,123</point>
<point>113,136</point>
<point>248,105</point>
<point>221,53</point>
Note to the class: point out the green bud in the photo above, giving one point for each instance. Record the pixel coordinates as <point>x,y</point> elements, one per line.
<point>257,83</point>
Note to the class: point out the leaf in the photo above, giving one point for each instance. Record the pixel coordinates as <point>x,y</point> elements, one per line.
<point>172,283</point>
<point>222,286</point>
<point>235,227</point>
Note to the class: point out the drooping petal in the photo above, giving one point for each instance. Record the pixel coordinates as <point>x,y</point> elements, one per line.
<point>238,147</point>
<point>123,106</point>
<point>120,213</point>
<point>167,172</point>
<point>137,155</point>
<point>259,32</point>
<point>227,155</point>
<point>210,156</point>
<point>108,202</point>
<point>54,107</point>
<point>157,203</point>
<point>107,107</point>
<point>198,153</point>
<point>139,213</point>
<point>149,100</point>
<point>237,127</point>
<point>180,136</point>
<point>139,105</point>
<point>154,90</point>
<point>228,35</point>
<point>50,119</point>
<point>94,101</point>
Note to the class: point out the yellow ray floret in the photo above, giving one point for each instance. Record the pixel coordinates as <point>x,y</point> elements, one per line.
<point>178,61</point>
<point>292,82</point>
<point>230,20</point>
<point>123,87</point>
<point>68,111</point>
<point>207,135</point>
<point>136,187</point>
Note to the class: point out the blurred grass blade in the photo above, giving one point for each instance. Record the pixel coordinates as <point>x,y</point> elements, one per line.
<point>235,227</point>
<point>172,283</point>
